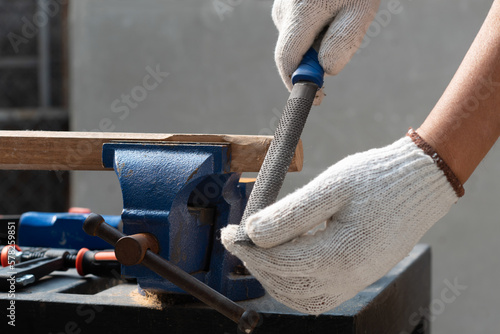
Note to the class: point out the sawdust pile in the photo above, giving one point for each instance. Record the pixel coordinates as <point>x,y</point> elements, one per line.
<point>150,300</point>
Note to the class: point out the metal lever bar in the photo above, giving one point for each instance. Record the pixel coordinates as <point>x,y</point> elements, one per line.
<point>246,319</point>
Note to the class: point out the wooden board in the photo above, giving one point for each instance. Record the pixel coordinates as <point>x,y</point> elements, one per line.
<point>61,150</point>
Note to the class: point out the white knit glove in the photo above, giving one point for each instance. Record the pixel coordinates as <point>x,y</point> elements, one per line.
<point>377,205</point>
<point>299,22</point>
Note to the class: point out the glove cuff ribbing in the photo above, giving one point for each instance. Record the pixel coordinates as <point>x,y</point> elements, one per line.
<point>429,150</point>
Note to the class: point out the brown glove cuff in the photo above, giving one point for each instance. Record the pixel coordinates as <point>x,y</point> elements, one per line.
<point>450,176</point>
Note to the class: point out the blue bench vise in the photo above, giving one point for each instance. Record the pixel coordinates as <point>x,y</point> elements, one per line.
<point>60,230</point>
<point>183,194</point>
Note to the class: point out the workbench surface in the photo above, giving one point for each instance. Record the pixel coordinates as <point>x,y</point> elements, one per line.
<point>68,303</point>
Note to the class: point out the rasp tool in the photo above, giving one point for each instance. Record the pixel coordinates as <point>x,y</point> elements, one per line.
<point>307,86</point>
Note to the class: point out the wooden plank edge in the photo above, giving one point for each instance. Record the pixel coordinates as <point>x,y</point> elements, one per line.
<point>66,150</point>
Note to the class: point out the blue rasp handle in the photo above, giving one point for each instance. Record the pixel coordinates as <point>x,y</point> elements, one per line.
<point>309,69</point>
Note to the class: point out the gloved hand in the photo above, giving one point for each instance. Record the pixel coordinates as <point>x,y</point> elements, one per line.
<point>376,204</point>
<point>300,21</point>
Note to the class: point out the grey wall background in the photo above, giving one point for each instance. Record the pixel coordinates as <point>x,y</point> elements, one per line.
<point>222,79</point>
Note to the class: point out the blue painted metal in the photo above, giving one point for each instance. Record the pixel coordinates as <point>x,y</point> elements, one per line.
<point>59,230</point>
<point>183,194</point>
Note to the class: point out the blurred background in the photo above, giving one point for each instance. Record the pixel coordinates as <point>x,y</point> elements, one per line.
<point>80,65</point>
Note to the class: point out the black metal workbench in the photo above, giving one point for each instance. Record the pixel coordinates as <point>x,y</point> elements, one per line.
<point>67,303</point>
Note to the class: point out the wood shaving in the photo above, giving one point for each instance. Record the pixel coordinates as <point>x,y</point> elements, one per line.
<point>150,300</point>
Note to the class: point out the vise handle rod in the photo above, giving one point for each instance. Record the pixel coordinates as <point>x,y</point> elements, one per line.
<point>141,248</point>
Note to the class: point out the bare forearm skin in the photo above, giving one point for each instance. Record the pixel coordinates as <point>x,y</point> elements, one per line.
<point>465,123</point>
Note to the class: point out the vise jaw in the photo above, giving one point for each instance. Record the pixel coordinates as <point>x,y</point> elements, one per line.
<point>183,194</point>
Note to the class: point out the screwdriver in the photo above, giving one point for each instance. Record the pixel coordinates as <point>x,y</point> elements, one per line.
<point>98,263</point>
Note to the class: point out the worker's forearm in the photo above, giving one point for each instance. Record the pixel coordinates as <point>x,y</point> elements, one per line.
<point>465,123</point>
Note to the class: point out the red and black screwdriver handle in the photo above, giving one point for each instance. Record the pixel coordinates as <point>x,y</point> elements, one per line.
<point>98,263</point>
